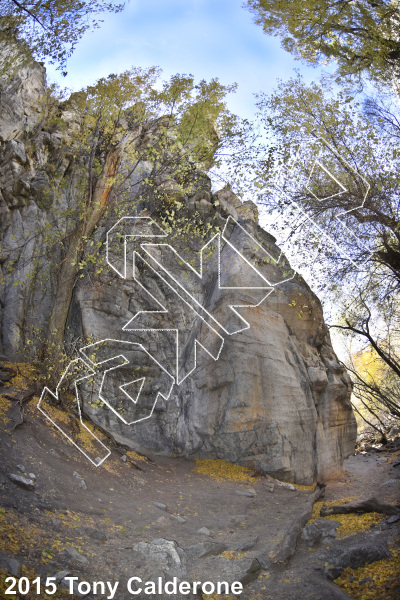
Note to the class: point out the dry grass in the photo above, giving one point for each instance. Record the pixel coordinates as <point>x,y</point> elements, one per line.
<point>377,581</point>
<point>351,523</point>
<point>232,554</point>
<point>221,470</point>
<point>19,536</point>
<point>305,488</point>
<point>5,406</point>
<point>81,435</point>
<point>135,456</point>
<point>16,533</point>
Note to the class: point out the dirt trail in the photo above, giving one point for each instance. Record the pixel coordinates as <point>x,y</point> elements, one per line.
<point>365,475</point>
<point>101,512</point>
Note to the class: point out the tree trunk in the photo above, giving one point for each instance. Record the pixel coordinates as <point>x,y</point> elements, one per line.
<point>69,267</point>
<point>65,285</point>
<point>363,506</point>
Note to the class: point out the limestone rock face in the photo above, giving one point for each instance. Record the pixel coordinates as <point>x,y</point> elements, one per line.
<point>24,200</point>
<point>20,101</point>
<point>276,398</point>
<point>273,397</point>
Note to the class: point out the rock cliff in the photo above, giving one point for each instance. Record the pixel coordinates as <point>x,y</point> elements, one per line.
<point>271,395</point>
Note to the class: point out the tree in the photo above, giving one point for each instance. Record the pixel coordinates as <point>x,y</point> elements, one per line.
<point>331,170</point>
<point>376,390</point>
<point>309,124</point>
<point>126,140</point>
<point>361,36</point>
<point>370,323</point>
<point>50,29</point>
<point>324,139</point>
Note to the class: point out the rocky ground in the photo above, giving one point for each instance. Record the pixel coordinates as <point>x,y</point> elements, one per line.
<point>196,520</point>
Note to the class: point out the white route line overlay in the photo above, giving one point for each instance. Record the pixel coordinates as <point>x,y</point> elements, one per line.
<point>269,286</point>
<point>175,330</point>
<point>44,392</point>
<point>166,397</point>
<point>93,372</point>
<point>141,220</point>
<point>304,213</point>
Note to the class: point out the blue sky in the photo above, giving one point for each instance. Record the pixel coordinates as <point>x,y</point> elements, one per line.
<point>207,38</point>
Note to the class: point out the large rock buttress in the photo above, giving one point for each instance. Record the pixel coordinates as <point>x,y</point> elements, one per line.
<point>276,398</point>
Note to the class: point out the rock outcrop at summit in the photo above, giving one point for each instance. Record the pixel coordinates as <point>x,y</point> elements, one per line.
<point>276,398</point>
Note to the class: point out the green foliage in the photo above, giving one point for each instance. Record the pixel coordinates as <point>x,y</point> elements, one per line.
<point>125,143</point>
<point>316,137</point>
<point>184,226</point>
<point>309,122</point>
<point>51,29</point>
<point>48,367</point>
<point>376,385</point>
<point>369,325</point>
<point>361,36</point>
<point>162,130</point>
<point>129,140</point>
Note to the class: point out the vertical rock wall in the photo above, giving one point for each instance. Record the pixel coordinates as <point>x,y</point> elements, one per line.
<point>276,398</point>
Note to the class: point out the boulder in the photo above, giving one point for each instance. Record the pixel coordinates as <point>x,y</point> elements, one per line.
<point>276,399</point>
<point>321,530</point>
<point>75,588</point>
<point>160,505</point>
<point>5,375</point>
<point>161,523</point>
<point>74,556</point>
<point>161,558</point>
<point>96,534</point>
<point>243,545</point>
<point>353,555</point>
<point>204,549</point>
<point>59,576</point>
<point>11,565</point>
<point>178,518</point>
<point>24,482</point>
